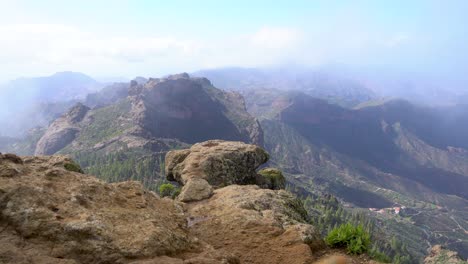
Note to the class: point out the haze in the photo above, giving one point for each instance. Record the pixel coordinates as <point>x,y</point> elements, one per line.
<point>109,39</point>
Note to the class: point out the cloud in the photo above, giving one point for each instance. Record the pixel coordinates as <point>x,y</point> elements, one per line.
<point>29,48</point>
<point>52,43</point>
<point>276,38</point>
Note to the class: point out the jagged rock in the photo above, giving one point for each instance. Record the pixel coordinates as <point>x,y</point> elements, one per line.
<point>62,131</point>
<point>219,162</point>
<point>195,190</point>
<point>438,255</point>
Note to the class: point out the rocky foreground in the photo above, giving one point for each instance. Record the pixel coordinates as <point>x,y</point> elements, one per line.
<point>52,213</point>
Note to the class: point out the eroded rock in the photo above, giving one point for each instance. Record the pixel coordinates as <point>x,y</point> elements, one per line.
<point>219,162</point>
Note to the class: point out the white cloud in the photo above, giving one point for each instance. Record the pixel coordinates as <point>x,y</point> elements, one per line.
<point>276,38</point>
<point>26,49</point>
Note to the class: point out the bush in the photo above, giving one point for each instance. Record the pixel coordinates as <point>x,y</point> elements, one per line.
<point>297,210</point>
<point>376,254</point>
<point>73,167</point>
<point>273,178</point>
<point>168,189</point>
<point>354,238</point>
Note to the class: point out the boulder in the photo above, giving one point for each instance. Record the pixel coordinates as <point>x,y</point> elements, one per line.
<point>220,163</point>
<point>195,190</point>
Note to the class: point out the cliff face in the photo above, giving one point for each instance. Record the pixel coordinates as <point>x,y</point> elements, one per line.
<point>62,131</point>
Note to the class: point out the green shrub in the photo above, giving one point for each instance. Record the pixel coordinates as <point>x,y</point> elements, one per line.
<point>71,166</point>
<point>273,178</point>
<point>376,254</point>
<point>175,193</point>
<point>353,238</point>
<point>298,210</point>
<point>167,189</point>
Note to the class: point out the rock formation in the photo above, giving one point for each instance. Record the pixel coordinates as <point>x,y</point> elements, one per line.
<point>219,162</point>
<point>62,131</point>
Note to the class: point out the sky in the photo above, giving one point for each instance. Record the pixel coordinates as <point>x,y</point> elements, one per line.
<point>117,38</point>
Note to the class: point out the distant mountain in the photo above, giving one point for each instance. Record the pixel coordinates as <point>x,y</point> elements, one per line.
<point>342,85</point>
<point>334,88</point>
<point>389,154</point>
<point>154,117</point>
<point>29,102</point>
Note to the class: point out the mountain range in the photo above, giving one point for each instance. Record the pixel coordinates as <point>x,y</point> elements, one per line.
<point>402,164</point>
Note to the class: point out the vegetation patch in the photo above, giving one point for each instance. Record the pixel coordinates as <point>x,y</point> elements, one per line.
<point>71,166</point>
<point>273,178</point>
<point>168,190</point>
<point>354,238</point>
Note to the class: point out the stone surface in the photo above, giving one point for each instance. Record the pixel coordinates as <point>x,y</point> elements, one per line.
<point>256,225</point>
<point>48,212</point>
<point>219,162</point>
<point>195,190</point>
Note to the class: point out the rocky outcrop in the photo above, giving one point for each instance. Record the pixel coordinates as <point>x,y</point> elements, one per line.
<point>254,224</point>
<point>219,162</point>
<point>62,131</point>
<point>438,255</point>
<point>53,215</point>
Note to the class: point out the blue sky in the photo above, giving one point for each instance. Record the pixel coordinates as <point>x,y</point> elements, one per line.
<point>150,38</point>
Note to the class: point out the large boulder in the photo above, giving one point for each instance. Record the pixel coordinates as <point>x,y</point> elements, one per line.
<point>219,162</point>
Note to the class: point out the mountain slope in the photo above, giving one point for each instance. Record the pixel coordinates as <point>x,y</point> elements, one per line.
<point>334,88</point>
<point>383,156</point>
<point>29,102</point>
